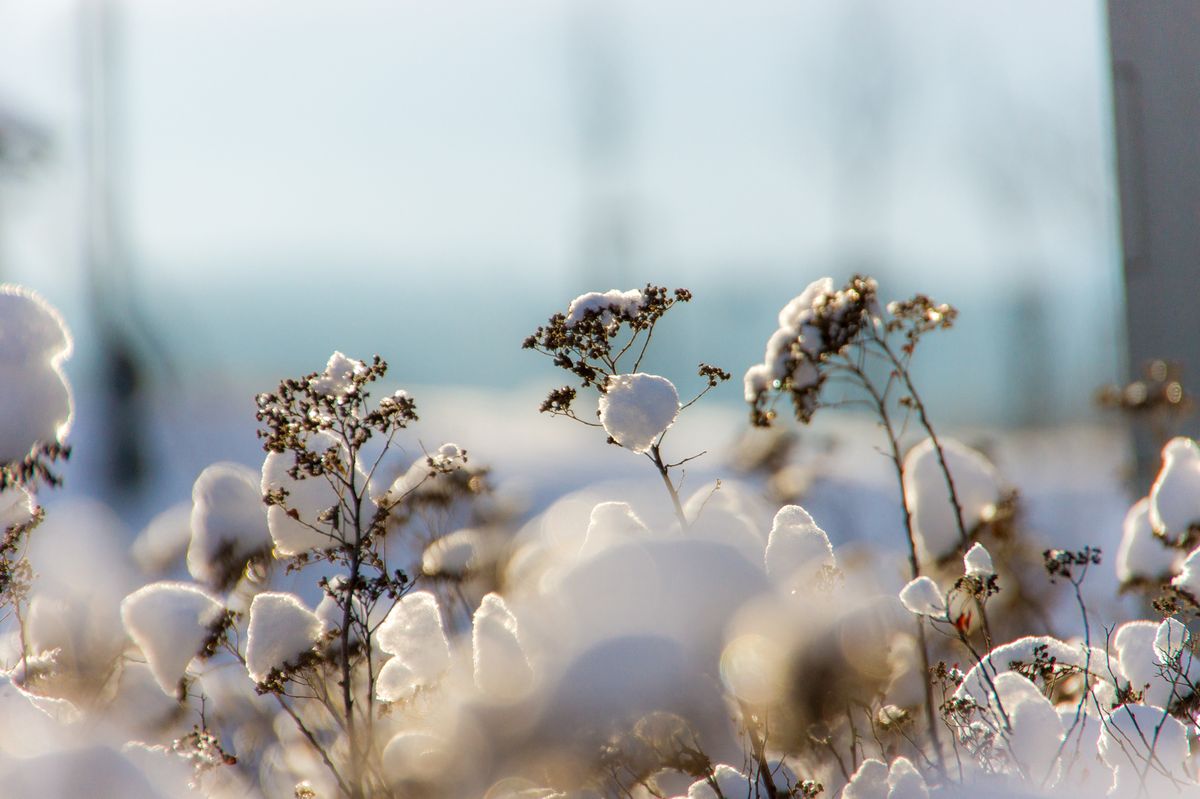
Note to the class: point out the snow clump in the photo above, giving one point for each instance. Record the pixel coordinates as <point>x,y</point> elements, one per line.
<point>935,525</point>
<point>978,562</point>
<point>228,521</point>
<point>34,393</point>
<point>338,378</point>
<point>1175,495</point>
<point>875,780</point>
<point>636,409</point>
<point>1142,555</point>
<point>170,623</point>
<point>797,549</point>
<point>281,630</point>
<point>308,498</point>
<point>501,668</point>
<point>626,303</point>
<point>795,324</point>
<point>922,597</point>
<point>414,636</point>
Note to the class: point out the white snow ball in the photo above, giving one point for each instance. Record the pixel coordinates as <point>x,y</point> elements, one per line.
<point>922,597</point>
<point>337,379</point>
<point>604,301</point>
<point>501,668</point>
<point>636,409</point>
<point>414,635</point>
<point>281,629</point>
<point>797,548</point>
<point>308,499</point>
<point>170,623</point>
<point>35,398</point>
<point>1142,555</point>
<point>1175,495</point>
<point>228,521</point>
<point>978,561</point>
<point>976,483</point>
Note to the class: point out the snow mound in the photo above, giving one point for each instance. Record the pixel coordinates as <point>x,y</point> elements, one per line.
<point>170,623</point>
<point>307,498</point>
<point>337,379</point>
<point>875,780</point>
<point>1144,651</point>
<point>636,409</point>
<point>34,392</point>
<point>797,548</point>
<point>228,523</point>
<point>281,629</point>
<point>604,302</point>
<point>611,523</point>
<point>165,540</point>
<point>1132,735</point>
<point>415,637</point>
<point>1175,495</point>
<point>1142,555</point>
<point>976,482</point>
<point>501,668</point>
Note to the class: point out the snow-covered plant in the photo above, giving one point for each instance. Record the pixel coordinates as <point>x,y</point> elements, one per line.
<point>594,341</point>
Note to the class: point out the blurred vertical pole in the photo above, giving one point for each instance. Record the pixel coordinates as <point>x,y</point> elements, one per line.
<point>107,266</point>
<point>1156,94</point>
<point>602,97</point>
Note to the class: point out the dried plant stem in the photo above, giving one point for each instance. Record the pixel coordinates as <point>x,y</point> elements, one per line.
<point>897,460</point>
<point>655,455</point>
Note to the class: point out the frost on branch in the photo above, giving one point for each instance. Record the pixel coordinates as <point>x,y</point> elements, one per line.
<point>281,633</point>
<point>170,623</point>
<point>414,636</point>
<point>1175,495</point>
<point>636,409</point>
<point>229,524</point>
<point>35,398</point>
<point>935,521</point>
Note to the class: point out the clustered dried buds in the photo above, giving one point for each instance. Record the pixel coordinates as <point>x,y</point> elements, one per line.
<point>1060,562</point>
<point>586,341</point>
<point>336,401</point>
<point>35,468</point>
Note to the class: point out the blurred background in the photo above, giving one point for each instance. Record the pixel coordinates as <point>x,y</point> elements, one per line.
<point>218,195</point>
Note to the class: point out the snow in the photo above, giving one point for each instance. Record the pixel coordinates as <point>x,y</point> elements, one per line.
<point>164,542</point>
<point>228,521</point>
<point>336,380</point>
<point>34,393</point>
<point>870,781</point>
<point>905,782</point>
<point>923,597</point>
<point>797,549</point>
<point>611,523</point>
<point>308,498</point>
<point>281,630</point>
<point>1175,495</point>
<point>1000,660</point>
<point>1171,640</point>
<point>16,507</point>
<point>624,302</point>
<point>1037,729</point>
<point>1189,574</point>
<point>636,409</point>
<point>453,555</point>
<point>501,668</point>
<point>422,476</point>
<point>799,308</point>
<point>415,637</point>
<point>1139,647</point>
<point>978,562</point>
<point>794,328</point>
<point>169,622</point>
<point>976,482</point>
<point>1131,735</point>
<point>1142,555</point>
